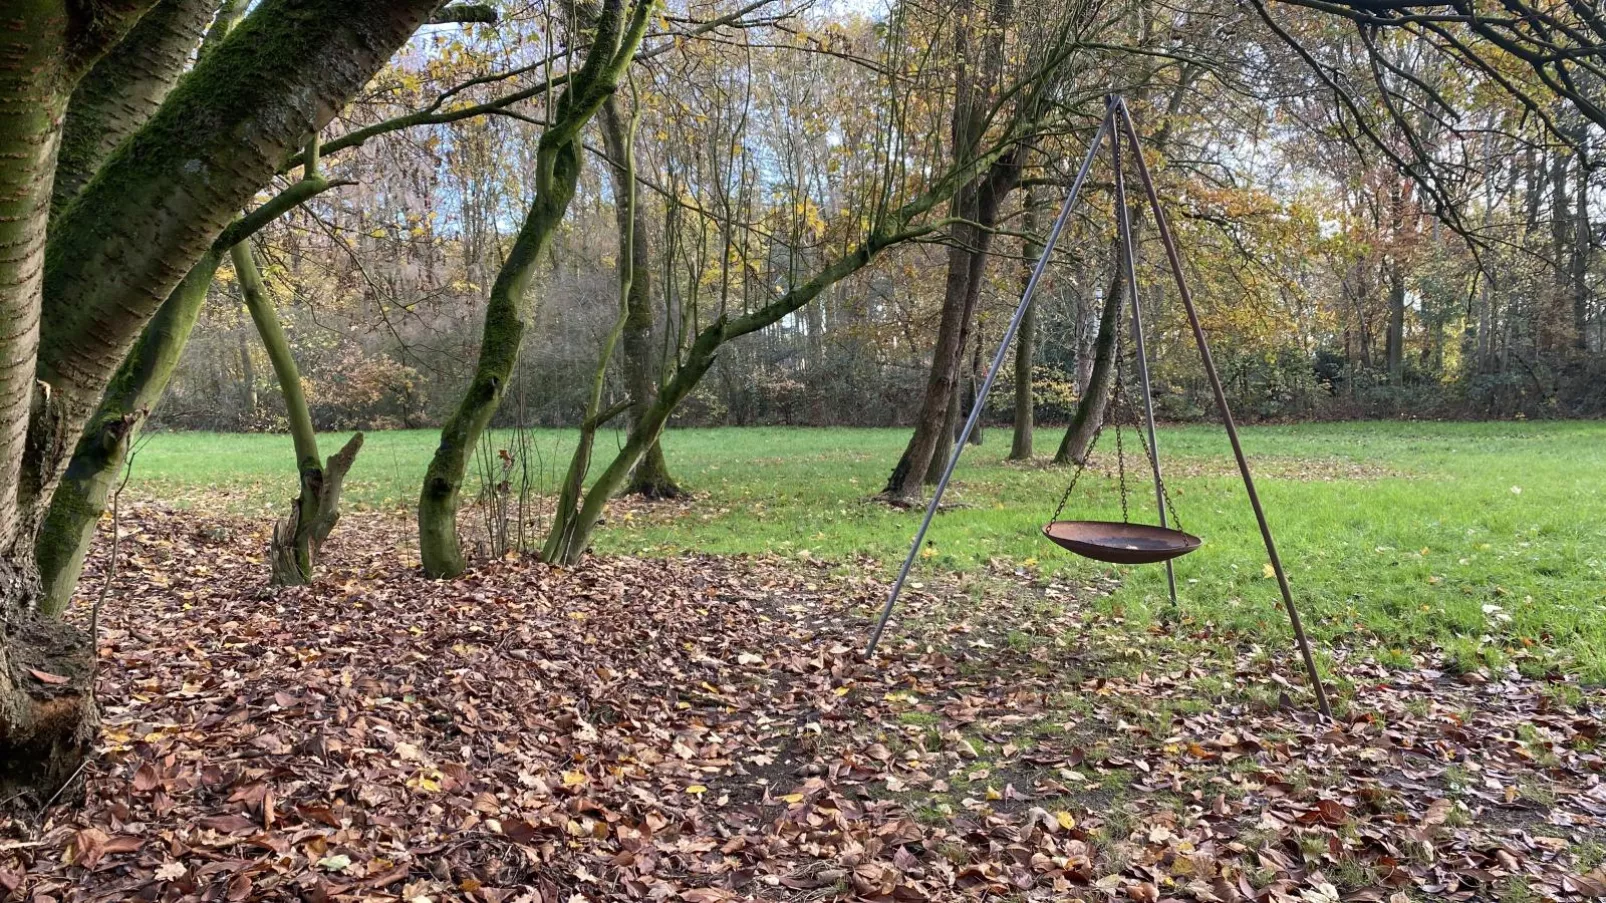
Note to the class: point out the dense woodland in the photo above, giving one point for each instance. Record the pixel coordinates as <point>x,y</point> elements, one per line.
<point>621,215</point>
<point>1423,247</point>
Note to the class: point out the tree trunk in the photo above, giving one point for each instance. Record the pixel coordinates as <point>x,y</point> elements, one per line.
<point>168,191</point>
<point>48,718</point>
<point>1394,346</point>
<point>1578,260</point>
<point>125,89</point>
<point>967,264</point>
<point>651,477</point>
<point>926,455</point>
<point>248,381</point>
<point>973,387</point>
<point>316,508</point>
<point>700,356</point>
<point>557,172</point>
<point>1089,416</point>
<point>564,543</point>
<point>80,497</point>
<point>1020,448</point>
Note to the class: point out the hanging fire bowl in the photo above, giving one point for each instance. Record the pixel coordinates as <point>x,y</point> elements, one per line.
<point>1120,543</point>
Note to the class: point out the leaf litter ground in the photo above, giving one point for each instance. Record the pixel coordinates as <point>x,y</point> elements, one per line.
<point>706,729</point>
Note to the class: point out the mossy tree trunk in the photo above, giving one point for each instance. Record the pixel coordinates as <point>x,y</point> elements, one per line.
<point>556,172</point>
<point>80,496</point>
<point>92,472</point>
<point>313,513</point>
<point>125,89</point>
<point>47,724</point>
<point>78,285</point>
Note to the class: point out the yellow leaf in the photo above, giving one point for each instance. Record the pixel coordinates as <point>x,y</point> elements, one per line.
<point>841,691</point>
<point>793,797</point>
<point>1066,820</point>
<point>1268,571</point>
<point>573,778</point>
<point>696,790</point>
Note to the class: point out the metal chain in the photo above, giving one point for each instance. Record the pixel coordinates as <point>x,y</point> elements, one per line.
<point>1080,469</point>
<point>1165,492</point>
<point>1115,410</point>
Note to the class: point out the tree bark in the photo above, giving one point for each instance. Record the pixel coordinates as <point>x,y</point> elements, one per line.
<point>557,171</point>
<point>1394,344</point>
<point>975,81</point>
<point>967,262</point>
<point>1089,416</point>
<point>561,542</point>
<point>1020,448</point>
<point>47,723</point>
<point>125,89</point>
<point>316,508</point>
<point>651,478</point>
<point>80,497</point>
<point>167,192</point>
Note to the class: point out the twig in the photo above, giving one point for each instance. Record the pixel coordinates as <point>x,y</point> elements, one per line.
<point>111,567</point>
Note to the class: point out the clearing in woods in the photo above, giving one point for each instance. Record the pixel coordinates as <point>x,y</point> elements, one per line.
<point>703,727</point>
<point>1481,540</point>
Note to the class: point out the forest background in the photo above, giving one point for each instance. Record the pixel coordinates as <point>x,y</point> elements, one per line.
<point>1373,229</point>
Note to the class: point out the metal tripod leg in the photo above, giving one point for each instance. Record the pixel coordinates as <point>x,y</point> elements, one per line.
<point>1175,260</point>
<point>1123,224</point>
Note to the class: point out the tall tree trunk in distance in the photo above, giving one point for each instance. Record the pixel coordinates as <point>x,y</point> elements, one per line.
<point>1394,346</point>
<point>1089,416</point>
<point>929,434</point>
<point>557,172</point>
<point>967,267</point>
<point>1578,259</point>
<point>651,477</point>
<point>926,455</point>
<point>80,497</point>
<point>973,387</point>
<point>891,229</point>
<point>316,509</point>
<point>1020,448</point>
<point>248,380</point>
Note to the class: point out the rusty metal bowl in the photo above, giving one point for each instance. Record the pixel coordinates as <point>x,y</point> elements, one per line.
<point>1120,543</point>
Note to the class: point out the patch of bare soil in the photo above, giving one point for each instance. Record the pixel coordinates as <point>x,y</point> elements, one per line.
<point>706,729</point>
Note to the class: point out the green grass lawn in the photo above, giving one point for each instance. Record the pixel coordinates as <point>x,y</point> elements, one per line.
<point>1486,539</point>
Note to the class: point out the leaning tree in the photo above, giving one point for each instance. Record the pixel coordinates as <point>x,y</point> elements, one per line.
<point>154,169</point>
